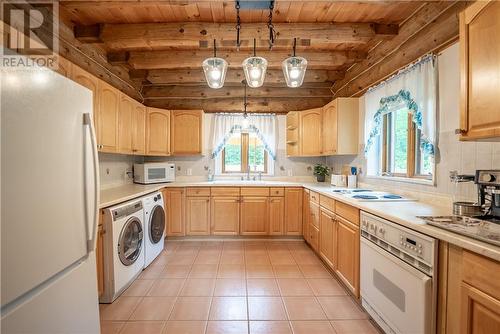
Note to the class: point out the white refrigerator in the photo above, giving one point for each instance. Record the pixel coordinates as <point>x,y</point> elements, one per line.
<point>49,205</point>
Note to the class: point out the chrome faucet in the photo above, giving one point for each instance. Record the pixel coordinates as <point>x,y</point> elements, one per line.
<point>248,172</point>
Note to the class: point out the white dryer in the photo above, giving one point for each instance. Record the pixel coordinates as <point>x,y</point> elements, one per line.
<point>154,226</point>
<point>123,246</point>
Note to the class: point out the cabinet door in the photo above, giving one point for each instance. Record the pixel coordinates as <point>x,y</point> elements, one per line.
<point>348,254</point>
<point>293,211</point>
<point>330,134</point>
<point>107,117</point>
<point>225,215</point>
<point>139,129</point>
<point>276,215</point>
<point>480,70</point>
<point>99,255</point>
<point>254,219</point>
<point>87,80</point>
<point>327,234</point>
<point>187,128</point>
<point>126,112</point>
<point>306,215</point>
<point>314,213</point>
<point>310,132</point>
<point>314,237</point>
<point>480,312</point>
<point>198,215</point>
<point>157,132</point>
<point>174,204</point>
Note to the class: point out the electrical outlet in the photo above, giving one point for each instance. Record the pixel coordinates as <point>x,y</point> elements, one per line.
<point>189,171</point>
<point>289,172</point>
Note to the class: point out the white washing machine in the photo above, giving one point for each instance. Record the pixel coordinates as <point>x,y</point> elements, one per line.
<point>123,246</point>
<point>154,226</point>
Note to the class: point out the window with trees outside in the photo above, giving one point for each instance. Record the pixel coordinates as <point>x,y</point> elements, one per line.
<point>243,151</point>
<point>401,153</point>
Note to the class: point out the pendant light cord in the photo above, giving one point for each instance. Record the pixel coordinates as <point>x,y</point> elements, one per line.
<point>254,53</point>
<point>215,50</point>
<point>272,32</point>
<point>238,25</point>
<point>245,99</point>
<point>294,45</point>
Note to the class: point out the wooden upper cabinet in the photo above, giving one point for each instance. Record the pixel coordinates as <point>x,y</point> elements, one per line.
<point>293,211</point>
<point>480,71</point>
<point>330,133</point>
<point>225,218</point>
<point>254,219</point>
<point>157,131</point>
<point>107,117</point>
<point>292,134</point>
<point>187,132</point>
<point>310,128</point>
<point>87,80</point>
<point>340,126</point>
<point>198,215</point>
<point>139,129</point>
<point>126,112</point>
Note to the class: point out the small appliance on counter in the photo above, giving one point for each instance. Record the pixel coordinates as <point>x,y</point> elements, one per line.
<point>483,223</point>
<point>338,180</point>
<point>154,172</point>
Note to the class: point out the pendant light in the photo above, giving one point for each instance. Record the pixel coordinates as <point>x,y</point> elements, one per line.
<point>255,69</point>
<point>294,69</point>
<point>215,70</point>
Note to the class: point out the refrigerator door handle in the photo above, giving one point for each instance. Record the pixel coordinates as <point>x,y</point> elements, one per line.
<point>91,241</point>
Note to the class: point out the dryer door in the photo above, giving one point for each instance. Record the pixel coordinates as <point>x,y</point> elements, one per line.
<point>156,224</point>
<point>130,241</point>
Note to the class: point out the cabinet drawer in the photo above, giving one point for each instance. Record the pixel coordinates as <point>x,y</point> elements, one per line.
<point>277,191</point>
<point>225,191</point>
<point>198,191</point>
<point>314,197</point>
<point>254,191</point>
<point>348,212</point>
<point>327,202</point>
<point>478,271</point>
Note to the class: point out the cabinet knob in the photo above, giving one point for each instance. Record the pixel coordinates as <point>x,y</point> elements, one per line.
<point>460,131</point>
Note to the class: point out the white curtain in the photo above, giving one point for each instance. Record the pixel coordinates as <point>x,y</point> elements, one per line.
<point>415,88</point>
<point>265,126</point>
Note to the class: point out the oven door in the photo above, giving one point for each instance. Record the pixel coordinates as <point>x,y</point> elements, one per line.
<point>399,294</point>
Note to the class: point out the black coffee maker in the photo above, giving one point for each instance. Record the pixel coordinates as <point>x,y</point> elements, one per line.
<point>488,186</point>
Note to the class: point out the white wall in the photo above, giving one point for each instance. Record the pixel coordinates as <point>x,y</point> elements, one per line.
<point>465,157</point>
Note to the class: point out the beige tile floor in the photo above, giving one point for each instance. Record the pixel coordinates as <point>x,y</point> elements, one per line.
<point>243,287</point>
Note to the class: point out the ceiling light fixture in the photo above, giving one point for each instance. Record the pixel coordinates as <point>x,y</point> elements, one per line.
<point>255,69</point>
<point>294,69</point>
<point>215,70</point>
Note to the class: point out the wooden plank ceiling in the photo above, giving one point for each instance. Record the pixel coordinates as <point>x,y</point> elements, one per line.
<point>161,45</point>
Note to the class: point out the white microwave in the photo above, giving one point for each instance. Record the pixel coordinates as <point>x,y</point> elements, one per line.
<point>154,172</point>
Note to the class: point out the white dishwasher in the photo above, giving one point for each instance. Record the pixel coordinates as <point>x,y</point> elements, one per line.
<point>398,279</point>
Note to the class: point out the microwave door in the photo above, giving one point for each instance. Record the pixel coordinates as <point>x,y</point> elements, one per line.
<point>156,174</point>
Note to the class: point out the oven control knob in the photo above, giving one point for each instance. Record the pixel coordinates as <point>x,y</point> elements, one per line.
<point>487,177</point>
<point>419,251</point>
<point>381,230</point>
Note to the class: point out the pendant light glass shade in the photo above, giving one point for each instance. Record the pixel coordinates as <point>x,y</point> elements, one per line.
<point>294,69</point>
<point>215,70</point>
<point>255,69</point>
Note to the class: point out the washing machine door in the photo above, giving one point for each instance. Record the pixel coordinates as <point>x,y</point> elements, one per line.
<point>130,241</point>
<point>156,224</point>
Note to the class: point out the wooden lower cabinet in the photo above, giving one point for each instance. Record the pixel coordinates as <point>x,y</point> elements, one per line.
<point>348,254</point>
<point>327,237</point>
<point>174,207</point>
<point>225,218</point>
<point>254,216</point>
<point>314,237</point>
<point>293,211</point>
<point>305,215</point>
<point>276,215</point>
<point>468,292</point>
<point>99,255</point>
<point>198,215</point>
